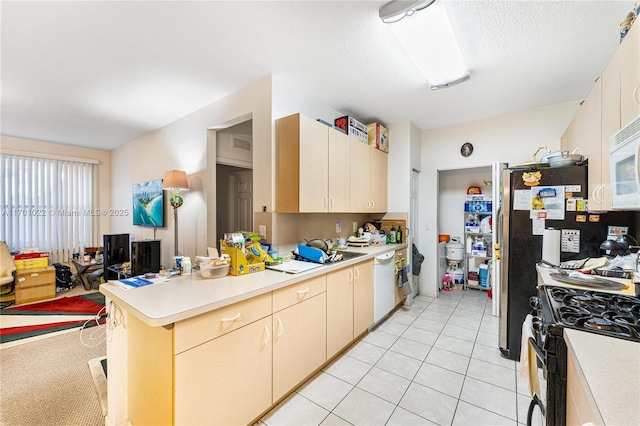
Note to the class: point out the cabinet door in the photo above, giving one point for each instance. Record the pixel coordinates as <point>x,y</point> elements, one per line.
<point>339,310</point>
<point>362,297</point>
<point>314,166</point>
<point>231,373</point>
<point>378,180</point>
<point>590,119</point>
<point>630,75</point>
<point>299,343</point>
<point>610,111</point>
<point>360,164</point>
<point>339,171</point>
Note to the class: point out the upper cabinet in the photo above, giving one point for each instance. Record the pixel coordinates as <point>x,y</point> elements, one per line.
<point>630,75</point>
<point>319,170</point>
<point>613,102</point>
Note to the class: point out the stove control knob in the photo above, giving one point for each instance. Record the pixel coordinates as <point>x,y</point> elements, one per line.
<point>536,322</point>
<point>534,302</point>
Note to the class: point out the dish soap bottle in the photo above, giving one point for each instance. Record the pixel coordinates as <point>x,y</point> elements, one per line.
<point>399,235</point>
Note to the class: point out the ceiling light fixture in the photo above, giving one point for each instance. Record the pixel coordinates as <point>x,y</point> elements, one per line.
<point>428,39</point>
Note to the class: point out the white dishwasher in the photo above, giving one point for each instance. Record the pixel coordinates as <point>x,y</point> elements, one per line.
<point>384,285</point>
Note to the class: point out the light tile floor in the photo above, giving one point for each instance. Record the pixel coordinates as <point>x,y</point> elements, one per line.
<point>434,362</point>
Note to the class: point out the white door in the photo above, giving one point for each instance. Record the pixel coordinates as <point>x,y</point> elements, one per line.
<point>413,226</point>
<point>241,200</point>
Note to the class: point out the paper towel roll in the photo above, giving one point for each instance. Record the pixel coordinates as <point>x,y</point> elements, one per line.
<point>551,246</point>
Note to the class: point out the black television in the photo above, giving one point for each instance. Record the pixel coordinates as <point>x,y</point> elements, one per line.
<point>148,204</point>
<point>145,256</point>
<point>116,252</point>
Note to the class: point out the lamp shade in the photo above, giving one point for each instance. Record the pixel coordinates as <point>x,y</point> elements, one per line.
<point>175,179</point>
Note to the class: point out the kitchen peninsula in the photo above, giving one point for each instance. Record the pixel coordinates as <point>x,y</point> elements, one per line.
<point>224,351</point>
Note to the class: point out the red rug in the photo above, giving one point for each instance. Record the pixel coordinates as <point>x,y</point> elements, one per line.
<point>90,304</point>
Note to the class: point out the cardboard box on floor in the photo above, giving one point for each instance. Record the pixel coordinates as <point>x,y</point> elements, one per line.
<point>35,284</point>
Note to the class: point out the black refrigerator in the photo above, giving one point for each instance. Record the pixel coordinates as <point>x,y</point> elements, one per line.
<point>521,250</point>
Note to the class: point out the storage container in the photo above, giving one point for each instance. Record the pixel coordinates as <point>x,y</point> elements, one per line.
<point>353,128</point>
<point>378,136</point>
<point>209,270</point>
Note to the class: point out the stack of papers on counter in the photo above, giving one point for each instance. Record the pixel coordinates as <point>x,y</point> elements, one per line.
<point>135,282</point>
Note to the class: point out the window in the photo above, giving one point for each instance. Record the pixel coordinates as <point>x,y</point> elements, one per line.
<point>48,203</point>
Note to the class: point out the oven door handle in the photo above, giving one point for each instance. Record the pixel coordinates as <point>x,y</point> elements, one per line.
<point>540,353</point>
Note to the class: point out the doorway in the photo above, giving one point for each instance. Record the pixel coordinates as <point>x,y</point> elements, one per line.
<point>234,179</point>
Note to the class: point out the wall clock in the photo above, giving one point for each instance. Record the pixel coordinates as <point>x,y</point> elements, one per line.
<point>466,149</point>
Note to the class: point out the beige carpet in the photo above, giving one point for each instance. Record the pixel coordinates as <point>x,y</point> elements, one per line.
<point>48,382</point>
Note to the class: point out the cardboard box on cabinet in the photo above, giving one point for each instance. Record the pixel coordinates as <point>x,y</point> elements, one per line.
<point>35,284</point>
<point>378,136</point>
<point>353,128</point>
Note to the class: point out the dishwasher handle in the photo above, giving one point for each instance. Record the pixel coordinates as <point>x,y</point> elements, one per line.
<point>384,258</point>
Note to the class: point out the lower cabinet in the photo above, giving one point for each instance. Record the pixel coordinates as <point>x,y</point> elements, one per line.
<point>339,310</point>
<point>226,381</point>
<point>349,305</point>
<point>230,365</point>
<point>299,343</point>
<point>362,297</point>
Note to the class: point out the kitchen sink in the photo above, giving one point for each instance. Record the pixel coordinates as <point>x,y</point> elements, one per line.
<point>346,255</point>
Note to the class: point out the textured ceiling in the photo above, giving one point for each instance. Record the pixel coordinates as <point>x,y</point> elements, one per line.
<point>100,74</point>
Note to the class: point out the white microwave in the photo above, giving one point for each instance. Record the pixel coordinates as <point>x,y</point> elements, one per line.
<point>624,149</point>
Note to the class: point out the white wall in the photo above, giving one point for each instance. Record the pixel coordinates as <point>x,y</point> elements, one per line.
<point>511,138</point>
<point>183,145</point>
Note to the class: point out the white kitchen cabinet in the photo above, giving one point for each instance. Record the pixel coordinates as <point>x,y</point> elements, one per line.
<point>226,380</point>
<point>360,165</point>
<point>594,147</point>
<point>610,124</point>
<point>339,310</point>
<point>378,188</point>
<point>368,178</point>
<point>349,305</point>
<point>362,297</point>
<point>299,333</point>
<point>630,75</point>
<point>319,170</point>
<point>302,159</point>
<point>339,174</point>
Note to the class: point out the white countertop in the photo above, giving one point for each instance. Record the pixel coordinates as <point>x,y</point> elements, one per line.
<point>611,369</point>
<point>183,297</point>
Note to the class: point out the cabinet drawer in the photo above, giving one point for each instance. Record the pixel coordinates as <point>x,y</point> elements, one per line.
<point>296,293</point>
<point>200,329</point>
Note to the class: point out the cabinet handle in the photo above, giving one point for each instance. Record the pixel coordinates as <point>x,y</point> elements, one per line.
<point>231,319</point>
<point>280,327</point>
<point>266,335</point>
<point>635,94</point>
<point>373,204</point>
<point>331,202</point>
<point>324,202</point>
<point>301,292</point>
<point>594,194</point>
<point>350,275</point>
<point>357,273</point>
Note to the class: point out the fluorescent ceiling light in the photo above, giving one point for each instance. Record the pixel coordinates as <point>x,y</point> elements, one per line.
<point>428,39</point>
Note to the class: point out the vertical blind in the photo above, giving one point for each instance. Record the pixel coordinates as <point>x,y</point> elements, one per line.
<point>49,204</point>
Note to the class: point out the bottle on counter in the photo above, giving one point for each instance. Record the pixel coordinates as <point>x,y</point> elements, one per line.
<point>392,234</point>
<point>399,235</point>
<point>186,266</point>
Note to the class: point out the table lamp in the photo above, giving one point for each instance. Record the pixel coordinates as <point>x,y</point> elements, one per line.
<point>175,181</point>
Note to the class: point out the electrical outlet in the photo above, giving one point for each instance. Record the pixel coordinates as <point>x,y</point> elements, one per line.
<point>355,226</point>
<point>262,231</point>
<point>338,228</point>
